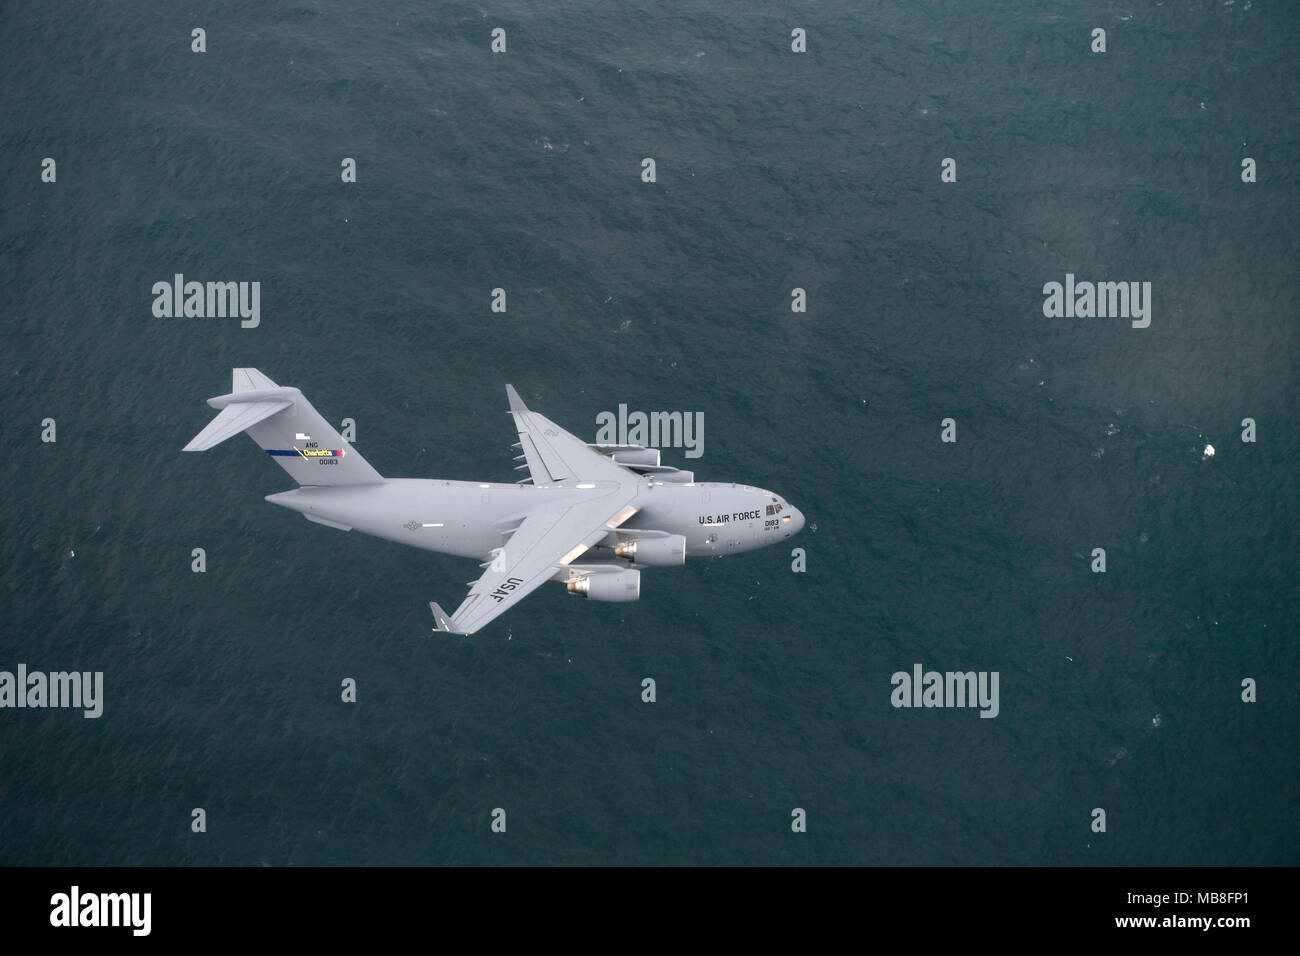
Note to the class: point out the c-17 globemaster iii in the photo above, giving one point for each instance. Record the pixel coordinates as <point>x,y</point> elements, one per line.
<point>588,516</point>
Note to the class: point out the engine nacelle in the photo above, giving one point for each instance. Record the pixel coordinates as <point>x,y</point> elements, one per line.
<point>664,473</point>
<point>629,454</point>
<point>608,585</point>
<point>661,552</point>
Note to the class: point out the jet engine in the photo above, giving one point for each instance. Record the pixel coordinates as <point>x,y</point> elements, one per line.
<point>629,454</point>
<point>608,585</point>
<point>660,552</point>
<point>664,473</point>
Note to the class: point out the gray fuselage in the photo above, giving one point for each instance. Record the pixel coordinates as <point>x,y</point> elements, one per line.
<point>471,519</point>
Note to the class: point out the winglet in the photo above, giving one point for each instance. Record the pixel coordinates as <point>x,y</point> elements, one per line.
<point>517,405</point>
<point>440,617</point>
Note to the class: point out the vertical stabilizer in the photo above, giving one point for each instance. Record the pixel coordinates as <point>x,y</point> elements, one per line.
<point>286,426</point>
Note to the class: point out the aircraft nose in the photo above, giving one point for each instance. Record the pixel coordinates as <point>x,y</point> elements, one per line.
<point>796,520</point>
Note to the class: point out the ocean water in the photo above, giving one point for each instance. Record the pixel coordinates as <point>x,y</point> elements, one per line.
<point>775,170</point>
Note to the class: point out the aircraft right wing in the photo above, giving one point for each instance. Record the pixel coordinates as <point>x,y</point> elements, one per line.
<point>550,538</point>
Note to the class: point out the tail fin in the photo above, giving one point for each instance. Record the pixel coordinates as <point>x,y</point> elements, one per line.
<point>286,426</point>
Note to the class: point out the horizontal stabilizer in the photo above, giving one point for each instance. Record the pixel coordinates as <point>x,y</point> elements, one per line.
<point>234,419</point>
<point>249,380</point>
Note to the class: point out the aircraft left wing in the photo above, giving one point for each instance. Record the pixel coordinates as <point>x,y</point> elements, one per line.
<point>550,538</point>
<point>553,455</point>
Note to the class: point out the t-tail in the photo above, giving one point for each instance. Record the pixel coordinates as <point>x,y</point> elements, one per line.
<point>286,427</point>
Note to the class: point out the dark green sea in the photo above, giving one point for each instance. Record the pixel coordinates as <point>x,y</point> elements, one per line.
<point>775,171</point>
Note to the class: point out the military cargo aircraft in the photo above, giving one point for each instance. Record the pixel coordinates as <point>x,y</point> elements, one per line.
<point>589,516</point>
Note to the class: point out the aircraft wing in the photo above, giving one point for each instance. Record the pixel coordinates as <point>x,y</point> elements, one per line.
<point>550,538</point>
<point>553,455</point>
